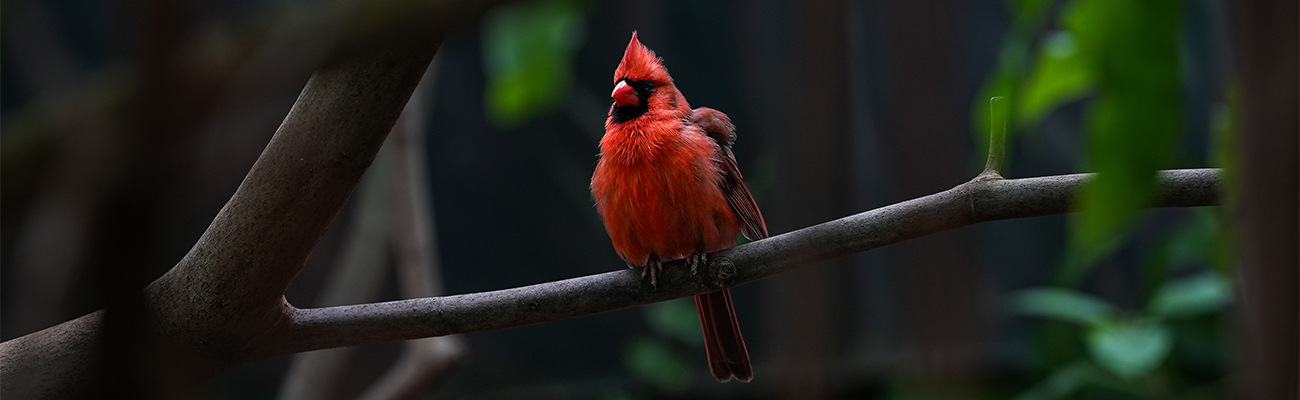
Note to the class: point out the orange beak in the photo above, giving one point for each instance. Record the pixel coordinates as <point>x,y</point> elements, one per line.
<point>625,95</point>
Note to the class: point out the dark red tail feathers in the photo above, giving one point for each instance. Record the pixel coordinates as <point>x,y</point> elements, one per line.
<point>722,341</point>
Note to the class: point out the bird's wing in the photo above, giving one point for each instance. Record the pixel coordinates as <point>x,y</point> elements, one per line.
<point>718,126</point>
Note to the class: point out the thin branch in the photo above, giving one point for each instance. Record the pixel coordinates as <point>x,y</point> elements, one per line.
<point>979,200</point>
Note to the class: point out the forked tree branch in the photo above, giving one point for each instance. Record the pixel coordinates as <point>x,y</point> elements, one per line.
<point>980,200</point>
<point>223,301</point>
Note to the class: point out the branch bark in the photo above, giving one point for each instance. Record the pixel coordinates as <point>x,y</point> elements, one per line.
<point>980,200</point>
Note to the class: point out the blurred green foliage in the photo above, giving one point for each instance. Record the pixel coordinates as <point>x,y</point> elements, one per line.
<point>1122,60</point>
<point>661,360</point>
<point>1134,120</point>
<point>654,361</point>
<point>1013,66</point>
<point>1062,304</point>
<point>1127,346</point>
<point>1060,76</point>
<point>1123,57</point>
<point>528,50</point>
<point>1202,294</point>
<point>677,319</point>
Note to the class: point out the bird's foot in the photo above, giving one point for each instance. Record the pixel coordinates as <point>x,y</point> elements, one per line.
<point>652,268</point>
<point>696,260</point>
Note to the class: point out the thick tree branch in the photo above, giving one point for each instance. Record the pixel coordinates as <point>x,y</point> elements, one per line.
<point>980,200</point>
<point>217,306</point>
<point>259,241</point>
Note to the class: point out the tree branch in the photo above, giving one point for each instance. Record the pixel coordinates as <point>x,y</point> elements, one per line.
<point>980,200</point>
<point>216,307</point>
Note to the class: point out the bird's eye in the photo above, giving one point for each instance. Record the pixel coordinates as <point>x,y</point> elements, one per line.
<point>649,86</point>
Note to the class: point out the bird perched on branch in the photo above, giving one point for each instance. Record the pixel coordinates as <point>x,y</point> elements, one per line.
<point>668,188</point>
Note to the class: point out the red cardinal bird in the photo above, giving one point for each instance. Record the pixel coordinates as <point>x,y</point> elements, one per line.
<point>668,188</point>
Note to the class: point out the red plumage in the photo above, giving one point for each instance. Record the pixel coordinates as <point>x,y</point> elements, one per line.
<point>668,188</point>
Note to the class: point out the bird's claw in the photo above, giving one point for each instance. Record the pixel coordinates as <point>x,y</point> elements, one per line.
<point>695,260</point>
<point>652,268</point>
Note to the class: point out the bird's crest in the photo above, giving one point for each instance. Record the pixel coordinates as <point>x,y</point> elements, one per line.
<point>640,63</point>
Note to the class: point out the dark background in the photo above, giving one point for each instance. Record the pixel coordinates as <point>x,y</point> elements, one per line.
<point>841,107</point>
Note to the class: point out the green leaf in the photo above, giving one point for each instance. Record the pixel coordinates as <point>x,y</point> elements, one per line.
<point>676,319</point>
<point>528,51</point>
<point>1133,121</point>
<point>1130,349</point>
<point>654,361</point>
<point>1061,74</point>
<point>1202,293</point>
<point>1061,304</point>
